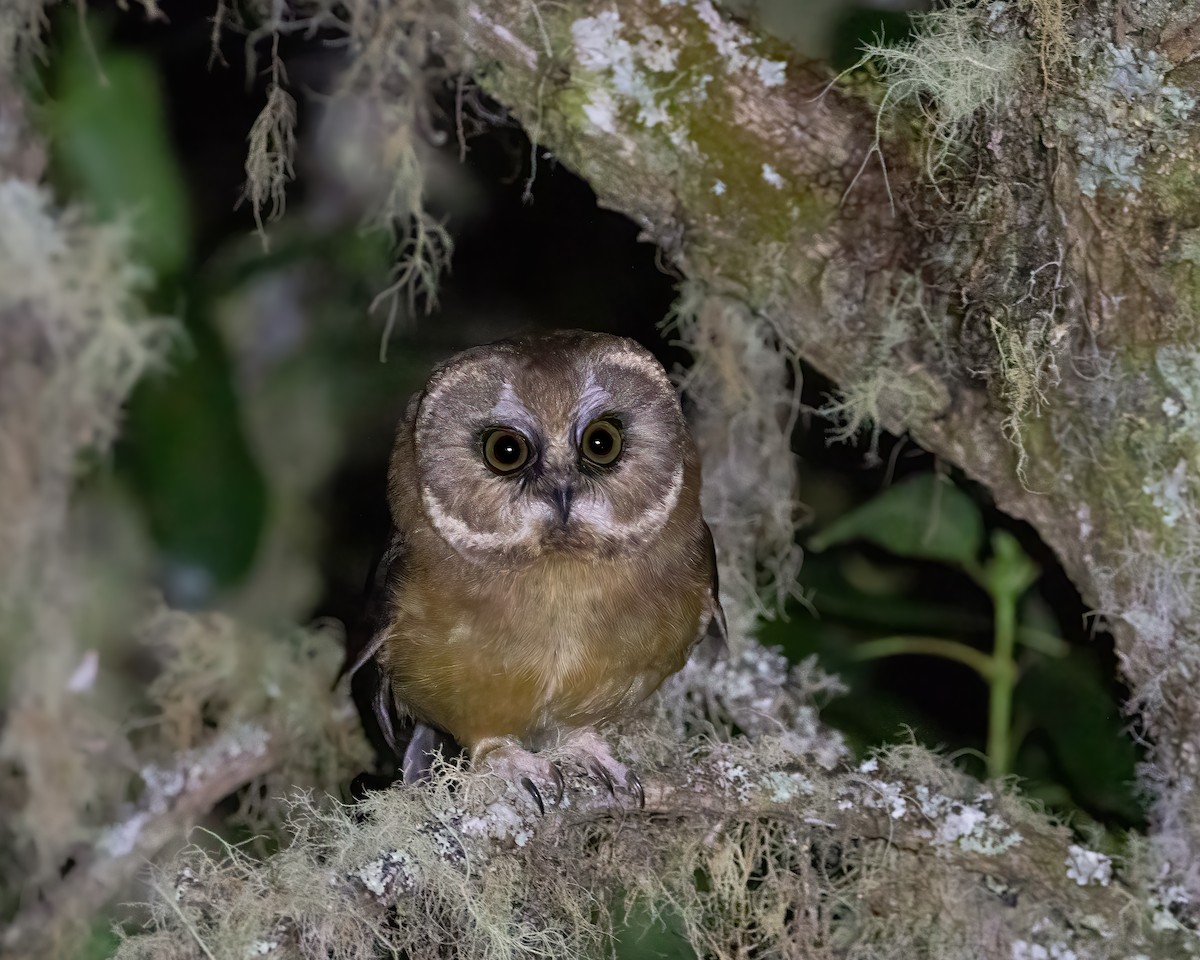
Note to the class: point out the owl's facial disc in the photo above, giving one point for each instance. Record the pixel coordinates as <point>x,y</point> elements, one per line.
<point>572,444</point>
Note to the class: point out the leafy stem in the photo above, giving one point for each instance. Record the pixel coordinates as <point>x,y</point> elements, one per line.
<point>928,519</point>
<point>977,660</point>
<point>1003,682</point>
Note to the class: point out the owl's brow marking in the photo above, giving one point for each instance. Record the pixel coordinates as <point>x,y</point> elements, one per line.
<point>594,401</point>
<point>510,411</point>
<point>629,360</point>
<point>450,378</point>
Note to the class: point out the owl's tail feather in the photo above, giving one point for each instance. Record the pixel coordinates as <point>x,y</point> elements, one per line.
<point>385,715</point>
<point>424,746</point>
<point>416,744</point>
<point>351,666</point>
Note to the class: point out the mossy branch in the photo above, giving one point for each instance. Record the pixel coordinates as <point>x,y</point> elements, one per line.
<point>196,781</point>
<point>466,860</point>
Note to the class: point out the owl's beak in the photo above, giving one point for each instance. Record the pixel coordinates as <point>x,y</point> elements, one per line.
<point>561,498</point>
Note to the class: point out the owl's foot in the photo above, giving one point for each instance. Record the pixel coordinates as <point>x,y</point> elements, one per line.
<point>592,752</point>
<point>512,763</point>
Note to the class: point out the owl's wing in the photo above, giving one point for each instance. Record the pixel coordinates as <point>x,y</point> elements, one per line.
<point>364,639</point>
<point>389,729</point>
<point>714,635</point>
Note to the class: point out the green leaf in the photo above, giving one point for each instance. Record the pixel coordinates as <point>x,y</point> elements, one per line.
<point>1068,700</point>
<point>642,934</point>
<point>834,596</point>
<point>112,146</point>
<point>924,517</point>
<point>188,459</point>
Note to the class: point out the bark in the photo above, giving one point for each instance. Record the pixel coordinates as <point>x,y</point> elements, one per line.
<point>1017,290</point>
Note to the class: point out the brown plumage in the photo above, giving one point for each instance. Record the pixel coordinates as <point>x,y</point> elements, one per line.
<point>549,565</point>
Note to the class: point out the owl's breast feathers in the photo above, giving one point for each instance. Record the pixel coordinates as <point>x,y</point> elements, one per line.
<point>556,643</point>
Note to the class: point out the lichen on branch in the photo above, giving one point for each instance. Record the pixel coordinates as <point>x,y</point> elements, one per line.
<point>743,845</point>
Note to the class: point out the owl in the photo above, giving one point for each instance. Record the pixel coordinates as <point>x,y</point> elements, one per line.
<point>549,565</point>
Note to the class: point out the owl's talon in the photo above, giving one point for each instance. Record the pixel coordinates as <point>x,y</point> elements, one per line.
<point>535,793</point>
<point>634,783</point>
<point>559,784</point>
<point>521,770</point>
<point>604,776</point>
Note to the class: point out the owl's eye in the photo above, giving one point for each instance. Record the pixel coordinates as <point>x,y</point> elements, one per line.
<point>601,442</point>
<point>505,451</point>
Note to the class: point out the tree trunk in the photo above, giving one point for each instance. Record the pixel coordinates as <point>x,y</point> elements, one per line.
<point>1008,273</point>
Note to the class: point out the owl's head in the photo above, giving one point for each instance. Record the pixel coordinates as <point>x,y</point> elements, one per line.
<point>571,442</point>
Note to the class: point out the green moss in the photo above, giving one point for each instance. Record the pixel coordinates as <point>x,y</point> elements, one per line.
<point>568,102</point>
<point>1140,440</point>
<point>772,209</point>
<point>687,112</point>
<point>1184,277</point>
<point>1176,188</point>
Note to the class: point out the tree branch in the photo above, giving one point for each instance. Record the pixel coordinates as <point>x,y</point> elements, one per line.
<point>470,860</point>
<point>175,798</point>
